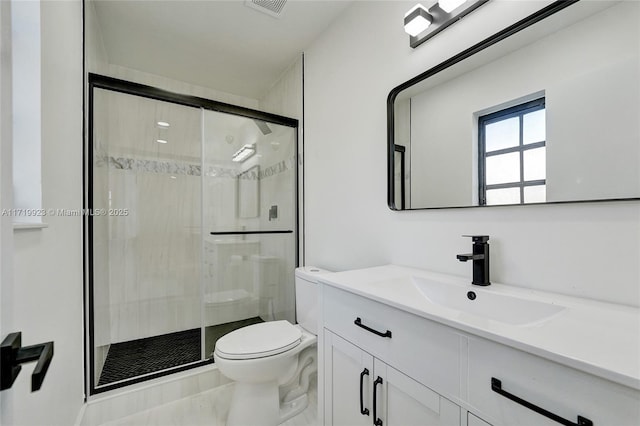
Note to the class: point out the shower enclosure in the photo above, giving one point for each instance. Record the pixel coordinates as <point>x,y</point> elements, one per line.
<point>191,230</point>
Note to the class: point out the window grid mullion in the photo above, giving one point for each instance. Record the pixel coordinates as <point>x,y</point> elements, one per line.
<point>526,147</point>
<point>521,153</point>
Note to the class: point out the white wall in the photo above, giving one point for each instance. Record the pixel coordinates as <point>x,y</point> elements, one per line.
<point>47,289</point>
<point>589,250</point>
<point>6,187</point>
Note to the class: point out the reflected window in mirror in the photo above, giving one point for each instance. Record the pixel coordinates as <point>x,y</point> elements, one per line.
<point>512,155</point>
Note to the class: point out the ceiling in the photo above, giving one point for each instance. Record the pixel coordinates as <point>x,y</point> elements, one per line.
<point>224,45</point>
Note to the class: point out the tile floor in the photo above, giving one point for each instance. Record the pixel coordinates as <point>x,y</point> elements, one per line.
<point>208,408</point>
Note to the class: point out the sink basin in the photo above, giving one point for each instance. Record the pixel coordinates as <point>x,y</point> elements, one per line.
<point>488,304</point>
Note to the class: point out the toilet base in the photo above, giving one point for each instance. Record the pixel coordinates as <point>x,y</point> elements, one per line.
<point>293,408</point>
<point>270,390</point>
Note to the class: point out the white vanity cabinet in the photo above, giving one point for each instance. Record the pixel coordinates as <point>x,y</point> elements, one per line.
<point>392,354</point>
<point>362,390</point>
<point>427,351</point>
<point>423,372</point>
<point>561,391</point>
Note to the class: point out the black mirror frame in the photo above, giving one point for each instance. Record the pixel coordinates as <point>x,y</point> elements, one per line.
<point>490,41</point>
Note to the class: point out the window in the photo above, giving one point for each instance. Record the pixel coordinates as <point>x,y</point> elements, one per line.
<point>512,155</point>
<point>26,101</point>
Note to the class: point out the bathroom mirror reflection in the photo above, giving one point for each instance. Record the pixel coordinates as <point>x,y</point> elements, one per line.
<point>547,114</point>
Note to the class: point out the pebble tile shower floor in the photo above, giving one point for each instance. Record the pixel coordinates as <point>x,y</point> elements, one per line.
<point>143,356</point>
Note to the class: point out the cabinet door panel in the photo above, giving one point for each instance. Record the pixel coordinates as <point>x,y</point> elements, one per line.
<point>344,363</point>
<point>404,402</point>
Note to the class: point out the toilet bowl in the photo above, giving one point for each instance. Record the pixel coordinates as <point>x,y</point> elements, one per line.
<point>271,362</point>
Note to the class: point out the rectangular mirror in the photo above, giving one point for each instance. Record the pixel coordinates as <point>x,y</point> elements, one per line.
<point>545,111</point>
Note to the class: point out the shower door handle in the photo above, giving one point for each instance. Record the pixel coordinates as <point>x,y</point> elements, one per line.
<point>12,355</point>
<point>284,231</point>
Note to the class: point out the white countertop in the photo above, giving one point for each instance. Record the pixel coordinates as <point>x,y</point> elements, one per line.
<point>599,338</point>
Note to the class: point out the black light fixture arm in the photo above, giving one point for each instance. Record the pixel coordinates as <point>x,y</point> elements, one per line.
<point>442,20</point>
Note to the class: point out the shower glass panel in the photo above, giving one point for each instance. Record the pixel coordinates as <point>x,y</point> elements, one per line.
<point>146,249</point>
<point>250,222</point>
<point>193,232</point>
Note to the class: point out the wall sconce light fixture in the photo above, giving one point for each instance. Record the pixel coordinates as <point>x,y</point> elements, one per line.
<point>243,153</point>
<point>416,20</point>
<point>422,24</point>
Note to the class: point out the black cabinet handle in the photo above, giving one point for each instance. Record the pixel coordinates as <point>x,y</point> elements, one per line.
<point>376,420</point>
<point>359,323</point>
<point>12,355</point>
<point>496,386</point>
<point>363,411</point>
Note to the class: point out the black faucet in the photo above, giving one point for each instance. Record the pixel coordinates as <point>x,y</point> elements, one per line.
<point>480,257</point>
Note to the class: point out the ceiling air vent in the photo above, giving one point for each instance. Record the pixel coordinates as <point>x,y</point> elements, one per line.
<point>270,7</point>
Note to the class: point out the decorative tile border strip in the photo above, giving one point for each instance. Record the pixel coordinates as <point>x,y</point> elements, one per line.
<point>152,166</point>
<point>276,169</point>
<point>188,169</point>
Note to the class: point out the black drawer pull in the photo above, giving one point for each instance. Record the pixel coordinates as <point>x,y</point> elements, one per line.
<point>376,420</point>
<point>496,386</point>
<point>359,323</point>
<point>363,411</point>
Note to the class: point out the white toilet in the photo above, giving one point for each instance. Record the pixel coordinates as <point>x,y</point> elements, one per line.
<point>271,362</point>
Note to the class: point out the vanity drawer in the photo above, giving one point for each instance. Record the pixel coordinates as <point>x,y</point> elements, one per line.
<point>422,349</point>
<point>561,390</point>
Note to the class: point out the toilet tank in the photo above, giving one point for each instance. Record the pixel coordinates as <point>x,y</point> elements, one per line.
<point>307,297</point>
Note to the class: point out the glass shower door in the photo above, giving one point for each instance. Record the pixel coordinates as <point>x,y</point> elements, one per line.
<point>249,220</point>
<point>147,244</point>
<point>193,232</point>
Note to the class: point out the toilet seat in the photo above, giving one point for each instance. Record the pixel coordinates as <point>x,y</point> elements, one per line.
<point>259,340</point>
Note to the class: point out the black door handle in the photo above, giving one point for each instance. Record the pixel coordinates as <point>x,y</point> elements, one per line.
<point>376,420</point>
<point>12,355</point>
<point>359,323</point>
<point>363,411</point>
<point>496,386</point>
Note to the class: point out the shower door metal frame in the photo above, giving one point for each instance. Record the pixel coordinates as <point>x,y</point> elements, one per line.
<point>97,81</point>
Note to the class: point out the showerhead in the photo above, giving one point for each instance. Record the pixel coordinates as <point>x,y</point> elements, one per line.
<point>264,128</point>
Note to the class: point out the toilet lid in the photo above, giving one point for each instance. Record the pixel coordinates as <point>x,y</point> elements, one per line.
<point>259,340</point>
